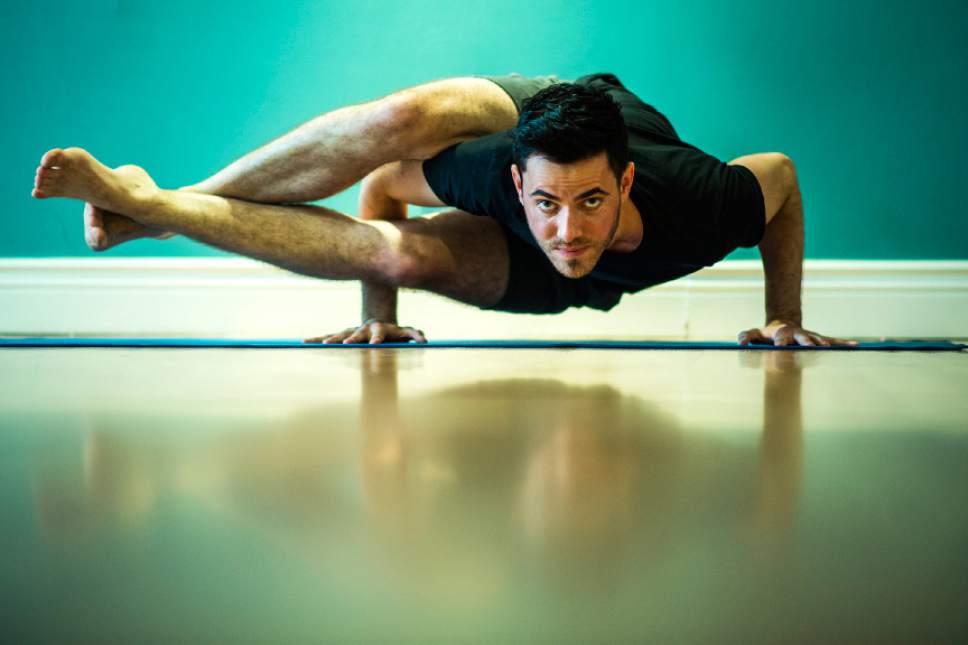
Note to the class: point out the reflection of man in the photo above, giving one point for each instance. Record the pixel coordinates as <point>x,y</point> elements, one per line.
<point>483,494</point>
<point>592,195</point>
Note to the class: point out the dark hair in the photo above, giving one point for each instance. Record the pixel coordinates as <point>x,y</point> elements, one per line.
<point>566,122</point>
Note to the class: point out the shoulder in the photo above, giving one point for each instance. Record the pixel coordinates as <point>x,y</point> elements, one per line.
<point>475,175</point>
<point>642,119</point>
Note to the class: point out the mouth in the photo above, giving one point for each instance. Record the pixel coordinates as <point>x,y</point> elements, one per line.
<point>570,252</point>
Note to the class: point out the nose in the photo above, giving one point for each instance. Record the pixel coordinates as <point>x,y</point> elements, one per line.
<point>567,226</point>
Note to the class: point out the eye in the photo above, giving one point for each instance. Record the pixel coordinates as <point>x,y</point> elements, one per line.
<point>541,203</point>
<point>597,202</point>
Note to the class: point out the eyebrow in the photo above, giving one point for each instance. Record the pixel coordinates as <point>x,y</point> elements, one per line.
<point>588,193</point>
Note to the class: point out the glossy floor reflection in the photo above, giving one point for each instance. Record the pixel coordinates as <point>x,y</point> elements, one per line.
<point>483,496</point>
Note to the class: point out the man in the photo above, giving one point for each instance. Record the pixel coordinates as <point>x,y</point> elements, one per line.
<point>592,194</point>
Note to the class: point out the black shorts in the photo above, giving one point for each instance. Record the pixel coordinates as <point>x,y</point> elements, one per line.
<point>521,87</point>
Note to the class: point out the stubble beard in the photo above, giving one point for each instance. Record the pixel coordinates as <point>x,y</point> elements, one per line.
<point>576,264</point>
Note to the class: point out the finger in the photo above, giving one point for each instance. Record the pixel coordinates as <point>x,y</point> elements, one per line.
<point>821,340</point>
<point>784,336</point>
<point>338,336</point>
<point>751,336</point>
<point>359,336</point>
<point>804,339</point>
<point>314,339</point>
<point>842,341</point>
<point>378,335</point>
<point>418,336</point>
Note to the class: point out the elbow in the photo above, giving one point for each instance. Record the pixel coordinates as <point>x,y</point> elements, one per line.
<point>376,200</point>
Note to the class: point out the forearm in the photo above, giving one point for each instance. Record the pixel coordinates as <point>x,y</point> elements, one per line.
<point>379,301</point>
<point>782,253</point>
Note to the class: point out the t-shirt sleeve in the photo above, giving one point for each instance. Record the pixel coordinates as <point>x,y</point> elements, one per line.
<point>744,211</point>
<point>715,201</point>
<point>475,176</point>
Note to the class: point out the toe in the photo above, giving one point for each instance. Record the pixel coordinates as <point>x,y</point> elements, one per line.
<point>93,216</point>
<point>94,233</point>
<point>52,158</point>
<point>47,178</point>
<point>96,239</point>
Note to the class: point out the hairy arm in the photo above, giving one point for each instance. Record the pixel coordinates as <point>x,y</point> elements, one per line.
<point>782,245</point>
<point>384,195</point>
<point>379,300</point>
<point>782,251</point>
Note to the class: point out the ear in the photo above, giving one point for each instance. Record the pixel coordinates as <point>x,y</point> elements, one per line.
<point>516,176</point>
<point>627,178</point>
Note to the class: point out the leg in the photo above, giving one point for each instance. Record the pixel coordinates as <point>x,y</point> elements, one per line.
<point>335,150</point>
<point>456,254</point>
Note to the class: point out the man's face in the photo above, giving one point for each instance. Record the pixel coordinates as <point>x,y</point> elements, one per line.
<point>572,209</point>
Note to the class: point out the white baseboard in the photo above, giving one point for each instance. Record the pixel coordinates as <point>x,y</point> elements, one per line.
<point>237,297</point>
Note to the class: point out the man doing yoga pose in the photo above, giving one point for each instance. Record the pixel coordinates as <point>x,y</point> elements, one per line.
<point>564,194</point>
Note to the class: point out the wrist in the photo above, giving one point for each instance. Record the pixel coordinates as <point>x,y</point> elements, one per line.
<point>379,303</point>
<point>779,320</point>
<point>392,320</point>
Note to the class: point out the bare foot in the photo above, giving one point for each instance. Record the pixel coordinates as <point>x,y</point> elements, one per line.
<point>104,229</point>
<point>75,173</point>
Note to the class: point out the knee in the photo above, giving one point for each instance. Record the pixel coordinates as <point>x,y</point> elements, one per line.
<point>398,116</point>
<point>417,123</point>
<point>409,266</point>
<point>405,272</point>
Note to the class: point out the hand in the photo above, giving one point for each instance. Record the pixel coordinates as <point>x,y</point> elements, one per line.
<point>372,332</point>
<point>779,332</point>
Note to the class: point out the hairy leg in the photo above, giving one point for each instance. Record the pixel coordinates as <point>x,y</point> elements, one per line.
<point>337,149</point>
<point>453,253</point>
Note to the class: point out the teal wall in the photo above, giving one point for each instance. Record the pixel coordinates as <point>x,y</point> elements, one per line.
<point>867,97</point>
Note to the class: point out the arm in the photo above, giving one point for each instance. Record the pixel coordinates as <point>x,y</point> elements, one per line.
<point>782,251</point>
<point>382,197</point>
<point>379,300</point>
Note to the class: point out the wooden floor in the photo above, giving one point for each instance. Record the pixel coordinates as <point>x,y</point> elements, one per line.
<point>458,496</point>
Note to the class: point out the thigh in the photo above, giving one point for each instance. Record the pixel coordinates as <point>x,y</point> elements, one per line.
<point>452,110</point>
<point>456,254</point>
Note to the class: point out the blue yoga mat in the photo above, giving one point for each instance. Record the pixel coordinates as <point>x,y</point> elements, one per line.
<point>885,345</point>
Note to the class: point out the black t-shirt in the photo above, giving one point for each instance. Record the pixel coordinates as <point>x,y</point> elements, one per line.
<point>695,208</point>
